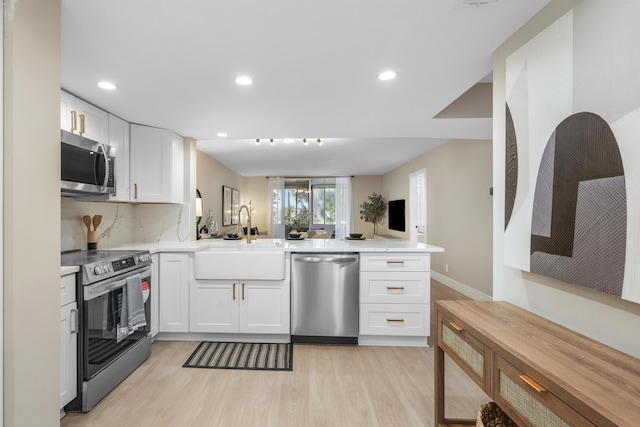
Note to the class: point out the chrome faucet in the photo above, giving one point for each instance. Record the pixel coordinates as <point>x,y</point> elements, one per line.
<point>248,208</point>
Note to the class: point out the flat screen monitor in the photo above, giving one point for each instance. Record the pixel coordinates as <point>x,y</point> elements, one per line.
<point>396,215</point>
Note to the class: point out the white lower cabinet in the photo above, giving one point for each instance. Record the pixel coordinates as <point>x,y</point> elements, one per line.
<point>394,319</point>
<point>239,306</point>
<point>155,295</point>
<point>174,292</point>
<point>394,299</point>
<point>68,339</point>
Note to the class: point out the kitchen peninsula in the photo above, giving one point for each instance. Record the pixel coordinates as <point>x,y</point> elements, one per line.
<point>394,288</point>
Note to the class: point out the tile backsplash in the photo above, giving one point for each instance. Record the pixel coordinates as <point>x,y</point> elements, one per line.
<point>124,223</point>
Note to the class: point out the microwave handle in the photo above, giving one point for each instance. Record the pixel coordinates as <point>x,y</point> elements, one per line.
<point>106,165</point>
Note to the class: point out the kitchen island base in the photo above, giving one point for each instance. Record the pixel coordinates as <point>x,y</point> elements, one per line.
<point>249,338</point>
<point>392,341</point>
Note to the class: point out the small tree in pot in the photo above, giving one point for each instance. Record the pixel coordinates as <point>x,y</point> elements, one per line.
<point>374,210</point>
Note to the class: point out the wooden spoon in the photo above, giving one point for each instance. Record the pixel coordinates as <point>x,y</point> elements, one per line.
<point>97,219</point>
<point>87,222</point>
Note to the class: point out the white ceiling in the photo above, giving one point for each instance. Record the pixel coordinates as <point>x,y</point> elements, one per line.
<point>314,65</point>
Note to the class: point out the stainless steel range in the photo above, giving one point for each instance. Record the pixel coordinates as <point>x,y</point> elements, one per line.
<point>112,343</point>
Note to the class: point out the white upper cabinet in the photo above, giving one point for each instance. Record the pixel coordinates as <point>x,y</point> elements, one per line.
<point>82,118</point>
<point>119,139</point>
<point>156,165</point>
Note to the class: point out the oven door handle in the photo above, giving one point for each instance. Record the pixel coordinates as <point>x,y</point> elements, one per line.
<point>76,321</point>
<point>94,291</point>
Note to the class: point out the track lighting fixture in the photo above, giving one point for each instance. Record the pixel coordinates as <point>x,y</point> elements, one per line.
<point>305,141</point>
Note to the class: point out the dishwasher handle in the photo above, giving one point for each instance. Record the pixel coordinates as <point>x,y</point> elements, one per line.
<point>334,260</point>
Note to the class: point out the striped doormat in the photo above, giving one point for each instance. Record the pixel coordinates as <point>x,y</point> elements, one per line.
<point>236,355</point>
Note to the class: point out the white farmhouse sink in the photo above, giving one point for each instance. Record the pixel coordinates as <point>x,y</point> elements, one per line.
<point>240,261</point>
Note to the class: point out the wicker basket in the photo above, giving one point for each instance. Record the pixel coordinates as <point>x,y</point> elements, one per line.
<point>490,415</point>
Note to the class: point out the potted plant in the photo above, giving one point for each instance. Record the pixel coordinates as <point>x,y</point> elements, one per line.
<point>296,222</point>
<point>374,210</point>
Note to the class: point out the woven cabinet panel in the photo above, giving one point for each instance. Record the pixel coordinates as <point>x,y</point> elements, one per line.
<point>466,352</point>
<point>527,405</point>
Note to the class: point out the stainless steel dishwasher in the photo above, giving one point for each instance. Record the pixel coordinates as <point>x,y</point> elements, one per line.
<point>324,298</point>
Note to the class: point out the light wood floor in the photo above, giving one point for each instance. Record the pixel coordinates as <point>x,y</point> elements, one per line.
<point>329,386</point>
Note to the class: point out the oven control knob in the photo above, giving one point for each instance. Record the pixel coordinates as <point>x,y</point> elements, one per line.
<point>97,270</point>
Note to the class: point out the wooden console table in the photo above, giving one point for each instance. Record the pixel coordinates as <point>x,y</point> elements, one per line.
<point>538,372</point>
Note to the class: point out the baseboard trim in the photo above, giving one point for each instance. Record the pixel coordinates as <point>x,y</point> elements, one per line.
<point>461,287</point>
<point>392,341</point>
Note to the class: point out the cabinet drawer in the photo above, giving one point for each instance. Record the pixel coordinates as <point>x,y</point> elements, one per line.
<point>394,319</point>
<point>470,354</point>
<point>67,289</point>
<point>400,288</point>
<point>529,402</point>
<point>394,262</point>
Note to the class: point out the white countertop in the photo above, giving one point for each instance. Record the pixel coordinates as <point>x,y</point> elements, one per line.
<point>307,245</point>
<point>341,245</point>
<point>68,269</point>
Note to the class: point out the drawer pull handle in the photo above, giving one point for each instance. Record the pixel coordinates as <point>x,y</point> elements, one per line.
<point>395,288</point>
<point>395,262</point>
<point>396,320</point>
<point>234,291</point>
<point>534,385</point>
<point>455,326</point>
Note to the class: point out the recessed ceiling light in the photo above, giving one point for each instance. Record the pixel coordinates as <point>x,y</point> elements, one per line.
<point>244,80</point>
<point>222,134</point>
<point>288,140</point>
<point>387,75</point>
<point>107,85</point>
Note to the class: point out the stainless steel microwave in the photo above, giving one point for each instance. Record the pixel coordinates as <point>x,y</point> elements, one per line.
<point>87,167</point>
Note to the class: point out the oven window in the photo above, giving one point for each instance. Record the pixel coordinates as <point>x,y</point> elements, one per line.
<point>102,343</point>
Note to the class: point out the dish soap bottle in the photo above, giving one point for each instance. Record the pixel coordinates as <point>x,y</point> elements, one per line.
<point>212,225</point>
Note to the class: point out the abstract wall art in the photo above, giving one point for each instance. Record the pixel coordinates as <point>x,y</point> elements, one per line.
<point>572,150</point>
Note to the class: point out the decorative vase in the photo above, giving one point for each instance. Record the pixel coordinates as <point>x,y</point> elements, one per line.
<point>211,224</point>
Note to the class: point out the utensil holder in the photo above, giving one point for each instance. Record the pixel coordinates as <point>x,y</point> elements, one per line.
<point>92,240</point>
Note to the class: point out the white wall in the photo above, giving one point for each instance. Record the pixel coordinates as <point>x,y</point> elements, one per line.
<point>256,190</point>
<point>459,212</point>
<point>211,175</point>
<point>1,221</point>
<point>31,192</point>
<point>602,317</point>
<point>362,187</point>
